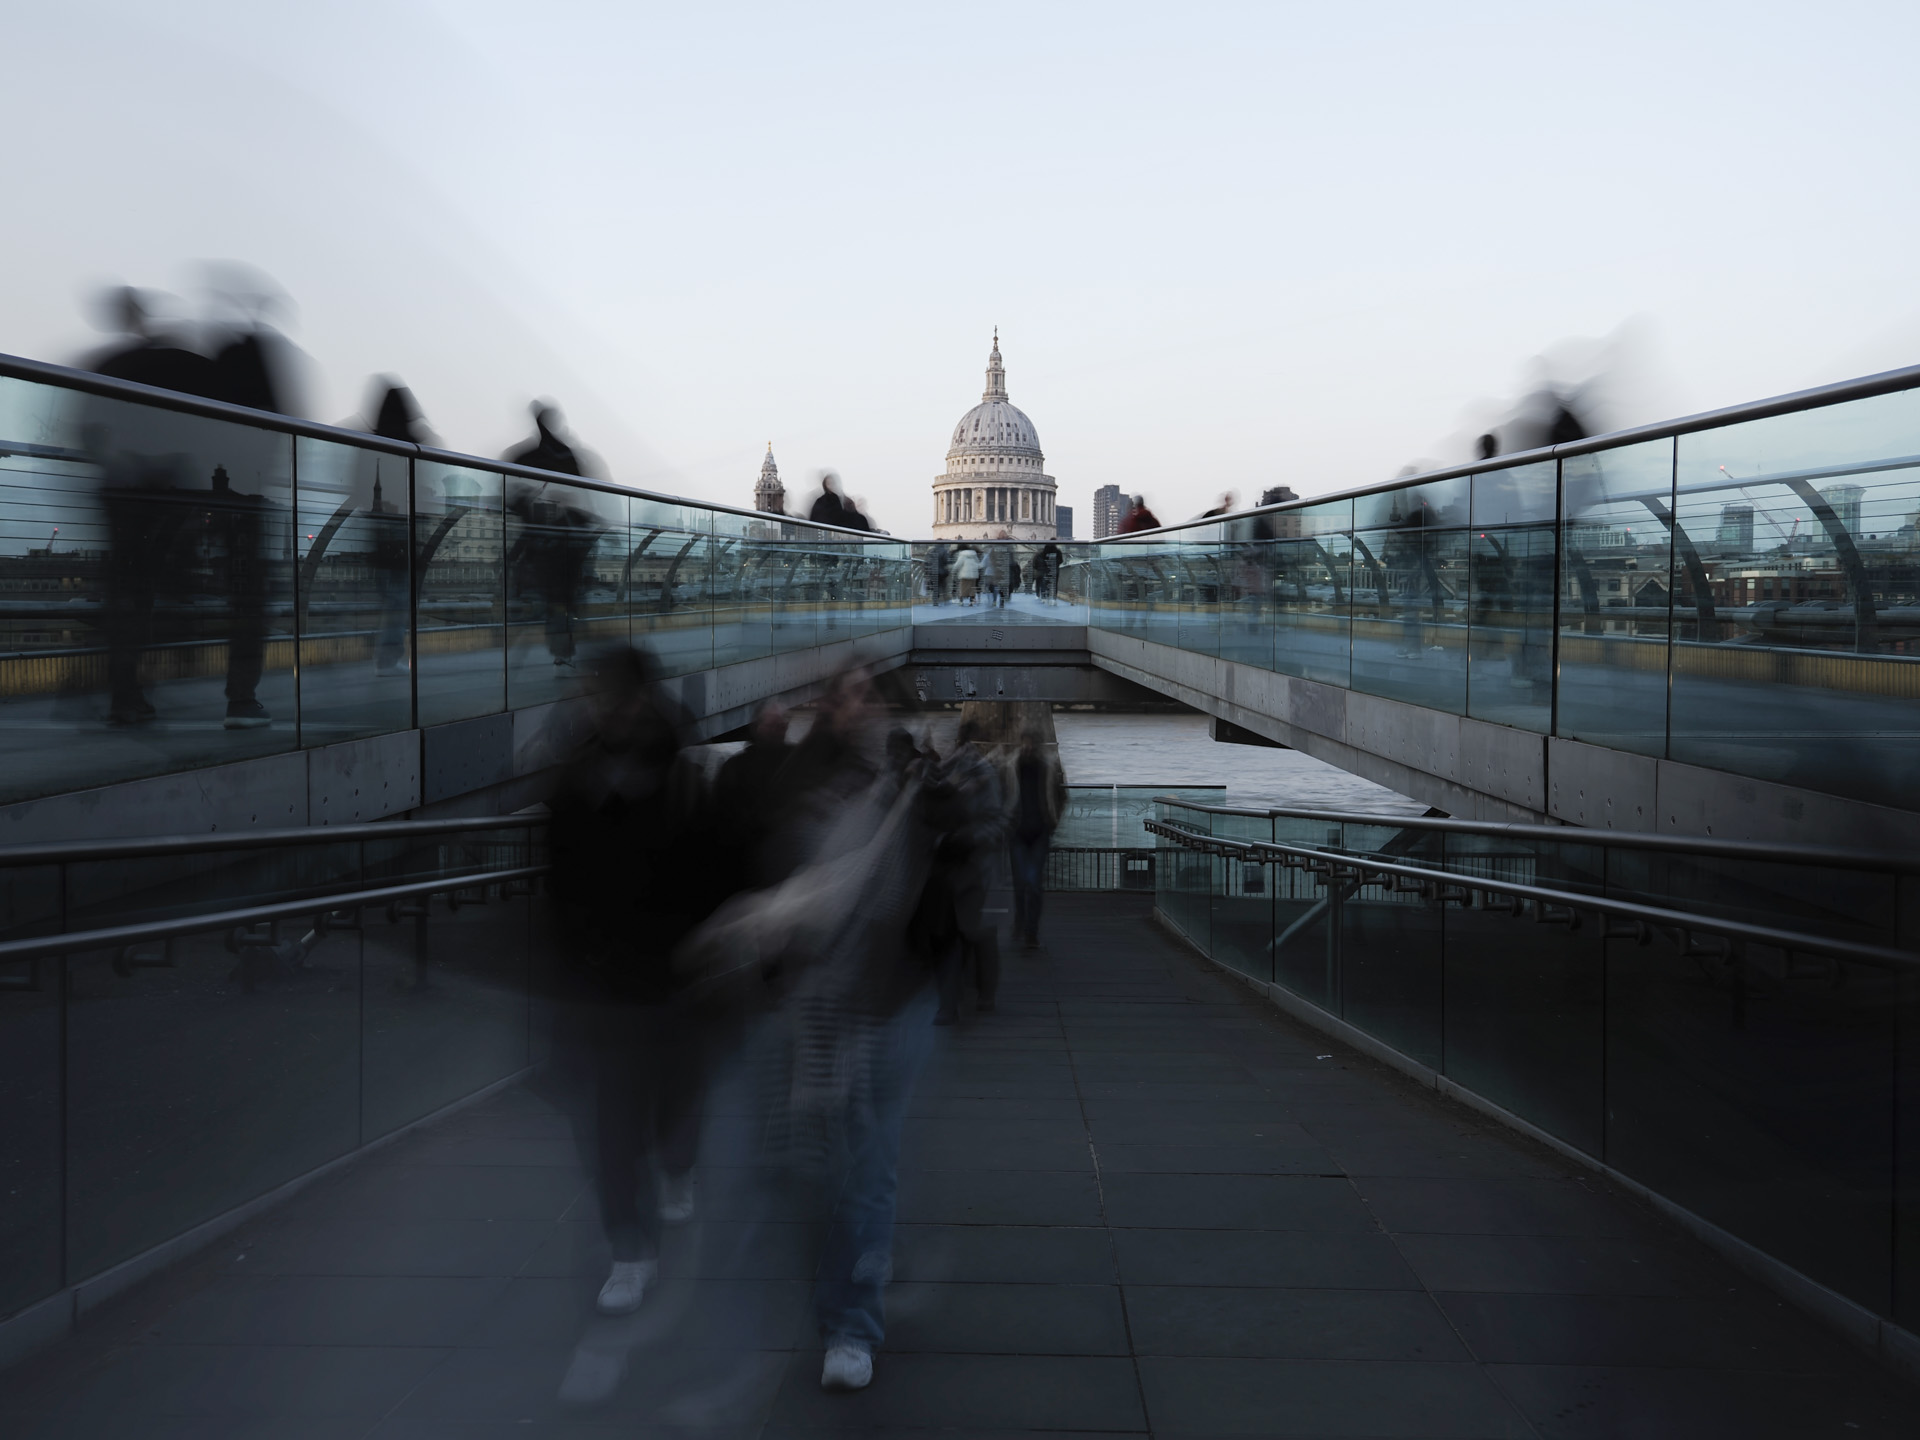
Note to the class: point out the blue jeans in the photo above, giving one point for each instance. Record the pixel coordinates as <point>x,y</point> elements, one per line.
<point>850,1286</point>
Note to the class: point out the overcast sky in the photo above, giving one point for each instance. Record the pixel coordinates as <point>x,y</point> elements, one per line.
<point>1227,246</point>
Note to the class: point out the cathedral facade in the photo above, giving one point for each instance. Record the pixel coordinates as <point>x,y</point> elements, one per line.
<point>994,486</point>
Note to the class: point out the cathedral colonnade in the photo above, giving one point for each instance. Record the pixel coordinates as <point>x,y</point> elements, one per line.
<point>995,486</point>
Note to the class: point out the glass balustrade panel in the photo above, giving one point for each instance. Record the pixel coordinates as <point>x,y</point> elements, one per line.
<point>353,582</point>
<point>1615,586</point>
<point>1511,555</point>
<point>664,569</point>
<point>146,590</point>
<point>459,568</point>
<point>565,555</point>
<point>1796,581</point>
<point>1410,594</point>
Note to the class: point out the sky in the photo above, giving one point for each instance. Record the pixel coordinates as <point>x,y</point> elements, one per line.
<point>1226,246</point>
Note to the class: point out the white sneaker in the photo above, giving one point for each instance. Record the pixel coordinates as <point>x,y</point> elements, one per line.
<point>849,1366</point>
<point>676,1198</point>
<point>626,1287</point>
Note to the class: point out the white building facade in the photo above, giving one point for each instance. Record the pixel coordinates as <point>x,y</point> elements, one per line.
<point>995,486</point>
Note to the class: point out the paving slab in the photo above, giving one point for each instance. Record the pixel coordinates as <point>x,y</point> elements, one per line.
<point>1134,1200</point>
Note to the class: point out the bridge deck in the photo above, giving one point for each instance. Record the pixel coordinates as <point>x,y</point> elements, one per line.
<point>1135,1199</point>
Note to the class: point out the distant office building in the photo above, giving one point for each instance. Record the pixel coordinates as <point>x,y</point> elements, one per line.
<point>1585,535</point>
<point>768,493</point>
<point>1277,494</point>
<point>1736,528</point>
<point>1063,522</point>
<point>994,487</point>
<point>1109,505</point>
<point>1845,500</point>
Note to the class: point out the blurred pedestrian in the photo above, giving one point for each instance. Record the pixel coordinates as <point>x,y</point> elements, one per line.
<point>1138,517</point>
<point>748,795</point>
<point>547,450</point>
<point>630,878</point>
<point>963,870</point>
<point>1046,583</point>
<point>938,563</point>
<point>828,508</point>
<point>966,573</point>
<point>1040,799</point>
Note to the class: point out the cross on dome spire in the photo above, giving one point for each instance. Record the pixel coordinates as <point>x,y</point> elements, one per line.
<point>996,373</point>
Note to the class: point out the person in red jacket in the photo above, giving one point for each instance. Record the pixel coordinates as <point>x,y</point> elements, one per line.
<point>1138,517</point>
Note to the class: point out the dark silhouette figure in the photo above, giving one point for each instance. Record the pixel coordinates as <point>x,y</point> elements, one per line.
<point>631,877</point>
<point>1488,446</point>
<point>547,566</point>
<point>973,828</point>
<point>149,355</point>
<point>144,470</point>
<point>749,796</point>
<point>829,508</point>
<point>546,450</point>
<point>1225,507</point>
<point>1046,571</point>
<point>396,417</point>
<point>1040,800</point>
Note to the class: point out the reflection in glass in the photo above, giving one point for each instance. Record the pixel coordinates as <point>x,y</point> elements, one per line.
<point>1312,592</point>
<point>1615,561</point>
<point>1410,595</point>
<point>145,588</point>
<point>460,652</point>
<point>666,571</point>
<point>1510,574</point>
<point>1796,652</point>
<point>566,556</point>
<point>353,587</point>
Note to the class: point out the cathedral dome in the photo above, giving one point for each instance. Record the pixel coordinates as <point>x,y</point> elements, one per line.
<point>996,426</point>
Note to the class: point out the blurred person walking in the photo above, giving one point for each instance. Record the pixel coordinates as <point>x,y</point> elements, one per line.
<point>937,566</point>
<point>631,876</point>
<point>963,873</point>
<point>749,795</point>
<point>1040,799</point>
<point>1046,572</point>
<point>145,466</point>
<point>1138,517</point>
<point>396,416</point>
<point>966,573</point>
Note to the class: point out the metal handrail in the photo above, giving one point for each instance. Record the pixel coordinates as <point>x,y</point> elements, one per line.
<point>1451,887</point>
<point>41,372</point>
<point>1838,859</point>
<point>73,851</point>
<point>116,936</point>
<point>1864,387</point>
<point>1861,388</point>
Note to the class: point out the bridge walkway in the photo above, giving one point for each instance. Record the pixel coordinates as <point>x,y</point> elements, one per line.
<point>1134,1200</point>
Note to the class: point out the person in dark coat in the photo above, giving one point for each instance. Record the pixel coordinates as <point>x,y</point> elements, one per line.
<point>963,872</point>
<point>146,465</point>
<point>631,876</point>
<point>546,450</point>
<point>1040,799</point>
<point>829,508</point>
<point>748,795</point>
<point>1046,577</point>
